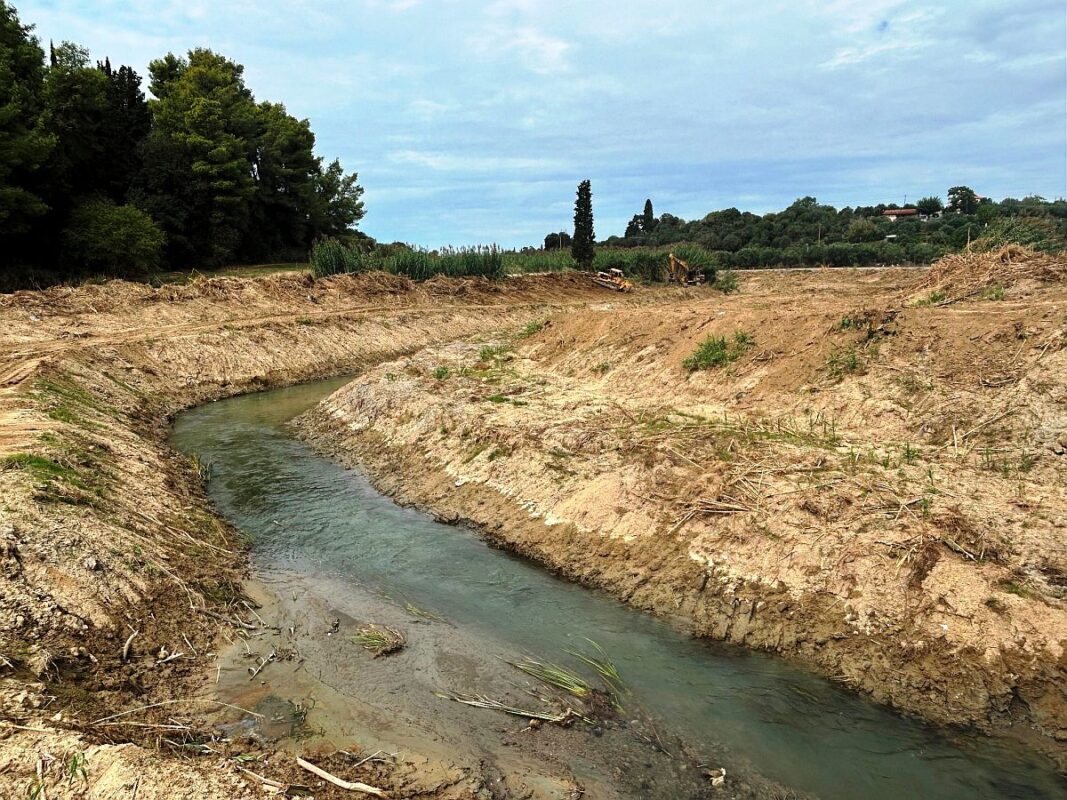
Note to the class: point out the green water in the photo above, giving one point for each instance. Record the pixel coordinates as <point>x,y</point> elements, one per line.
<point>308,515</point>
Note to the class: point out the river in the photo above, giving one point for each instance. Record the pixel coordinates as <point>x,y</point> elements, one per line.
<point>318,529</point>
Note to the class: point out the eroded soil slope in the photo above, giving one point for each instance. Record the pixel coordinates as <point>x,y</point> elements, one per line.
<point>867,472</point>
<point>115,575</point>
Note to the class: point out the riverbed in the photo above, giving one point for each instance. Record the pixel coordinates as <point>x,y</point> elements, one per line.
<point>329,553</point>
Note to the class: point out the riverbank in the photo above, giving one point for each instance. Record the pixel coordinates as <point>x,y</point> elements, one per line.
<point>107,533</point>
<point>332,555</point>
<point>116,571</point>
<point>872,482</point>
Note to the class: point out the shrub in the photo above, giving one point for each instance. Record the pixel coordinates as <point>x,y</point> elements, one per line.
<point>531,328</point>
<point>493,352</point>
<point>104,238</point>
<point>726,281</point>
<point>1041,233</point>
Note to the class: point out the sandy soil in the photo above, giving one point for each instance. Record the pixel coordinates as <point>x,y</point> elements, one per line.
<point>116,575</point>
<point>895,521</point>
<point>873,483</point>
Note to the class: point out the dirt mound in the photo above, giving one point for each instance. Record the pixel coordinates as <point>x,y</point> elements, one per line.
<point>290,292</point>
<point>964,275</point>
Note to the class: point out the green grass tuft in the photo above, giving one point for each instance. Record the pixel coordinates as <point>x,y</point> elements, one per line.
<point>716,351</point>
<point>532,328</point>
<point>843,362</point>
<point>555,675</point>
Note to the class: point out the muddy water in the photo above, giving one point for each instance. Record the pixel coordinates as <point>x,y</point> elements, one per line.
<point>331,548</point>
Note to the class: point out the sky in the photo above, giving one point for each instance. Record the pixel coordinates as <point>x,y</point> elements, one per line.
<point>473,122</point>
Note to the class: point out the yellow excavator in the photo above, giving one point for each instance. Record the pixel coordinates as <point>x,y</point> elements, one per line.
<point>679,271</point>
<point>613,279</point>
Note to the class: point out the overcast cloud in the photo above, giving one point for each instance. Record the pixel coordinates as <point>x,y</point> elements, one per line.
<point>474,121</point>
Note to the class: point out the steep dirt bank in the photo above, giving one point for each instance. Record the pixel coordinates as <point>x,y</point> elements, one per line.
<point>871,479</point>
<point>115,572</point>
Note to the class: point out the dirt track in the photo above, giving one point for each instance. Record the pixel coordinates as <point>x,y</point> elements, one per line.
<point>798,523</point>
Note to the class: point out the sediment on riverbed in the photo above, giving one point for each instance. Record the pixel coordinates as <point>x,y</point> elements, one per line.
<point>871,480</point>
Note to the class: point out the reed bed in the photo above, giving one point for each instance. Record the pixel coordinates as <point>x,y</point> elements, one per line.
<point>333,257</point>
<point>538,261</point>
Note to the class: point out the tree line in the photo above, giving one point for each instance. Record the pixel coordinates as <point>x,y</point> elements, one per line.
<point>97,179</point>
<point>808,232</point>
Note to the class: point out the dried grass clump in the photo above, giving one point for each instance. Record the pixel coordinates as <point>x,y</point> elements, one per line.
<point>380,640</point>
<point>960,276</point>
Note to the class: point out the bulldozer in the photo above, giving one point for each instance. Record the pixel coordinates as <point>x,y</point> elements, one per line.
<point>679,271</point>
<point>613,279</point>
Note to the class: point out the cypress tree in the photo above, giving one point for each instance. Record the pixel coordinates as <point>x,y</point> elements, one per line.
<point>582,244</point>
<point>648,219</point>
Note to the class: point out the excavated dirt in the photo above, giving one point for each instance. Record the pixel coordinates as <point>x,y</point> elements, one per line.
<point>874,486</point>
<point>873,483</point>
<point>116,575</point>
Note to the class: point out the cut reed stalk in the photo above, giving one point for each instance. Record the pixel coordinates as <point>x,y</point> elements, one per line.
<point>555,675</point>
<point>380,640</point>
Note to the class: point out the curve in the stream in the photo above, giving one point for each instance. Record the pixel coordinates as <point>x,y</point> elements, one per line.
<point>308,514</point>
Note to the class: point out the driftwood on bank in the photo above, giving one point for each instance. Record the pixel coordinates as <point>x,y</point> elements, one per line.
<point>347,785</point>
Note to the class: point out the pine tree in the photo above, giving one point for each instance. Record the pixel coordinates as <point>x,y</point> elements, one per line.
<point>126,124</point>
<point>24,144</point>
<point>197,180</point>
<point>582,244</point>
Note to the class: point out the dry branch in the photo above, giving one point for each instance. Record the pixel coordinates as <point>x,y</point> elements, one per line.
<point>351,786</point>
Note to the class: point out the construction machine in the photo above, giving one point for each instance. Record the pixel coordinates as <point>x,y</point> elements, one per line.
<point>679,271</point>
<point>613,279</point>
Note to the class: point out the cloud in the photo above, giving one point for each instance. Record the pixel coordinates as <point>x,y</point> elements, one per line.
<point>426,109</point>
<point>455,162</point>
<point>396,6</point>
<point>533,49</point>
<point>901,37</point>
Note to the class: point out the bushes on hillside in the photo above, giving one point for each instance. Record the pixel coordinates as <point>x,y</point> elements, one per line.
<point>108,239</point>
<point>838,254</point>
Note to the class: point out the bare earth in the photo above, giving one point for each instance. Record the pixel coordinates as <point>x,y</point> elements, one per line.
<point>882,499</point>
<point>105,532</point>
<point>874,486</point>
